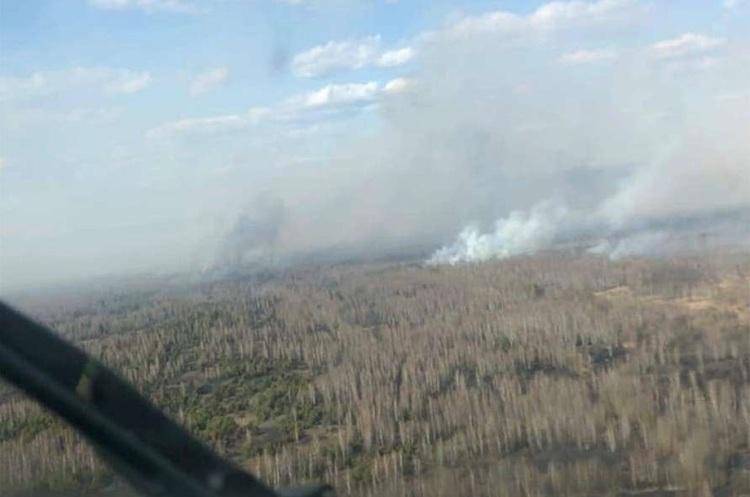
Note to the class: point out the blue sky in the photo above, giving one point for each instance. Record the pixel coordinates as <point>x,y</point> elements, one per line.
<point>133,132</point>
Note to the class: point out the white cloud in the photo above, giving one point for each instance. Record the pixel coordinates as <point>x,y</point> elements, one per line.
<point>490,22</point>
<point>26,117</point>
<point>38,117</point>
<point>96,115</point>
<point>556,15</point>
<point>177,6</point>
<point>685,45</point>
<point>200,124</point>
<point>548,17</point>
<point>128,83</point>
<point>587,56</point>
<point>329,4</point>
<point>398,85</point>
<point>337,95</point>
<point>731,4</point>
<point>48,83</point>
<point>396,57</point>
<point>334,56</point>
<point>209,125</point>
<point>330,101</point>
<point>209,80</point>
<point>337,100</point>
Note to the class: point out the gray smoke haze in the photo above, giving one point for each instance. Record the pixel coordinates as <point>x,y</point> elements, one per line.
<point>254,235</point>
<point>359,129</point>
<point>502,145</point>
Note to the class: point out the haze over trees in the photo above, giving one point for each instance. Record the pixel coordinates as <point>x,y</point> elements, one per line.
<point>559,374</point>
<point>416,248</point>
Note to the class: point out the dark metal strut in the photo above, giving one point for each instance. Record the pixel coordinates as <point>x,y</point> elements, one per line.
<point>157,456</point>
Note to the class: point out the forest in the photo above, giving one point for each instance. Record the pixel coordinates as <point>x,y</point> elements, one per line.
<point>562,374</point>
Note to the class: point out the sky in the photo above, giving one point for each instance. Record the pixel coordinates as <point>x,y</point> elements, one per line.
<point>175,135</point>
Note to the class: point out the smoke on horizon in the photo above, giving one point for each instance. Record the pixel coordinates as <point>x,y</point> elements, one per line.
<point>502,146</point>
<point>622,126</point>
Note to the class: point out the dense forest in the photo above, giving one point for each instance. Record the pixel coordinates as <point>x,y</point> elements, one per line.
<point>558,374</point>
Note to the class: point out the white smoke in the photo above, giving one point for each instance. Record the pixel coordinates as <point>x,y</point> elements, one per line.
<point>722,229</point>
<point>496,131</point>
<point>484,124</point>
<point>690,197</point>
<point>645,243</point>
<point>518,233</point>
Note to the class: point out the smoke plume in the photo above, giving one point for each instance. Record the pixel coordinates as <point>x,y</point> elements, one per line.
<point>254,235</point>
<point>503,146</point>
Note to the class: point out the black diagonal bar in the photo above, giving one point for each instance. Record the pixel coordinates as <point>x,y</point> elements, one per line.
<point>159,457</point>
